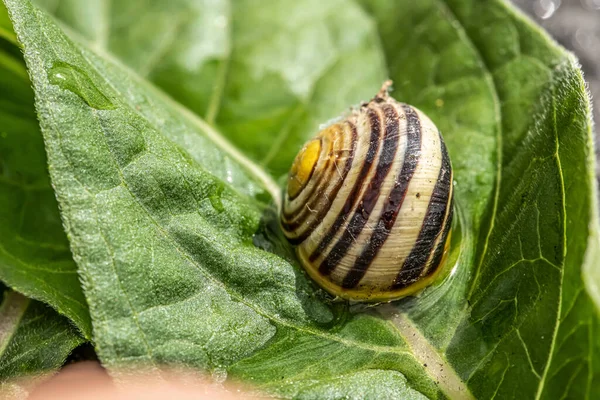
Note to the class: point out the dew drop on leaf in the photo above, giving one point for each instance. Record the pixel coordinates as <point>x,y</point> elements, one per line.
<point>215,199</point>
<point>546,8</point>
<point>73,79</point>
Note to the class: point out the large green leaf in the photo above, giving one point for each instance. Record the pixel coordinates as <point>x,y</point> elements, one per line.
<point>265,74</point>
<point>531,318</point>
<point>34,251</point>
<point>34,341</point>
<point>178,266</point>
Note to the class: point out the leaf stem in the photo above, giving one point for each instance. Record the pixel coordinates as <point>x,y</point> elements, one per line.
<point>434,363</point>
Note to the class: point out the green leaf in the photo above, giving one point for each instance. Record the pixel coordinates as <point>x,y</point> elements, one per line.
<point>34,341</point>
<point>183,265</point>
<point>531,318</point>
<point>34,251</point>
<point>266,76</point>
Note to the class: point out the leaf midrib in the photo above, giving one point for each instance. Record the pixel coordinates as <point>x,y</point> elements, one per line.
<point>214,104</point>
<point>434,362</point>
<point>564,250</point>
<point>104,36</point>
<point>489,80</point>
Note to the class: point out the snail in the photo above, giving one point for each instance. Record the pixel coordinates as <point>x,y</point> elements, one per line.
<point>369,202</point>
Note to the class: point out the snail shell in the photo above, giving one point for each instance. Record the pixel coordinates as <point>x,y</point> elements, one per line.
<point>369,202</point>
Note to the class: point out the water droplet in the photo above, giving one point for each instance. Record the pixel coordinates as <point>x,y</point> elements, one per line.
<point>219,375</point>
<point>215,199</point>
<point>587,40</point>
<point>74,79</point>
<point>591,4</point>
<point>546,8</point>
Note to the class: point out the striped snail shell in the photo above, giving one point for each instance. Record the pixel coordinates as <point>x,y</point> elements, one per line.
<point>369,202</point>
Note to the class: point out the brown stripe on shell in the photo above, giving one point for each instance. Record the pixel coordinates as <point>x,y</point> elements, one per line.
<point>392,206</point>
<point>433,225</point>
<point>360,217</point>
<point>438,254</point>
<point>374,141</point>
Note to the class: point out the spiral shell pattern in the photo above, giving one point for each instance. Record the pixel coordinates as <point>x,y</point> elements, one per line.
<point>369,203</point>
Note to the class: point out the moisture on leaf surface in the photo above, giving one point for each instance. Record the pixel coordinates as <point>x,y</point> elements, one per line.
<point>167,127</point>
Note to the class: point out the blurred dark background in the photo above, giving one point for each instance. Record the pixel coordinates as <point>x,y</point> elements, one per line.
<point>576,25</point>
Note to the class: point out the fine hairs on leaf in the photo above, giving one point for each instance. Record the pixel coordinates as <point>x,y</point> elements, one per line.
<point>166,126</point>
<point>34,251</point>
<point>34,341</point>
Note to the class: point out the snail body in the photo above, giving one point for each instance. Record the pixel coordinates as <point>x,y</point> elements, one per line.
<point>369,203</point>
